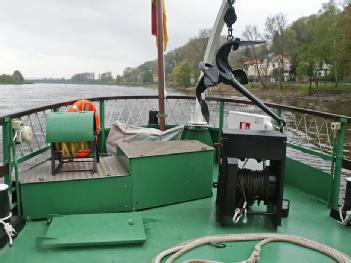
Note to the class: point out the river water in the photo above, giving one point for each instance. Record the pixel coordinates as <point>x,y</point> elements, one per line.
<point>14,98</point>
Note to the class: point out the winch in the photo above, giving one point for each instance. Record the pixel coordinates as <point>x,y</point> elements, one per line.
<point>239,188</point>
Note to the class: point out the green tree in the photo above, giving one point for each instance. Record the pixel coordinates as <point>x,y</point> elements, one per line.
<point>319,46</point>
<point>148,77</point>
<point>17,76</point>
<point>251,33</point>
<point>343,45</point>
<point>194,51</point>
<point>278,40</point>
<point>182,75</point>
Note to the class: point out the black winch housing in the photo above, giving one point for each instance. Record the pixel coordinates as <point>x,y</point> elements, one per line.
<point>236,185</point>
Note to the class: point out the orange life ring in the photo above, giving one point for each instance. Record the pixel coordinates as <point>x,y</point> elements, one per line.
<point>85,105</point>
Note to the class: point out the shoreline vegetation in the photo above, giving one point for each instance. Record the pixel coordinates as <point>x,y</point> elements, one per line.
<point>311,57</point>
<point>324,90</point>
<point>16,78</point>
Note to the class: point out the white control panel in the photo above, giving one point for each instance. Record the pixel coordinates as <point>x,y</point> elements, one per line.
<point>243,120</point>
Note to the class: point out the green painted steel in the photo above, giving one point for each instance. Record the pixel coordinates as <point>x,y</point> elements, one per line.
<point>201,134</point>
<point>220,128</point>
<point>168,179</point>
<point>279,114</point>
<point>33,154</point>
<point>17,183</point>
<point>94,230</point>
<point>339,154</point>
<point>6,150</point>
<point>170,225</point>
<point>70,126</point>
<point>102,114</point>
<point>103,133</point>
<point>214,132</point>
<point>308,179</point>
<point>221,119</point>
<point>103,195</point>
<point>311,151</point>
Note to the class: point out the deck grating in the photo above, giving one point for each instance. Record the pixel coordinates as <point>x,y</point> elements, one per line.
<point>108,167</point>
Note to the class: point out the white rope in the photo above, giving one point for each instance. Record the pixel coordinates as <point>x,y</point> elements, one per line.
<point>344,220</point>
<point>9,230</point>
<point>255,255</point>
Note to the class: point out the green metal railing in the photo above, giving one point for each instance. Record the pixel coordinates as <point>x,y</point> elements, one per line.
<point>132,105</point>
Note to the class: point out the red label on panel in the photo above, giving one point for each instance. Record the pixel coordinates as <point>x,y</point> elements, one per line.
<point>245,125</point>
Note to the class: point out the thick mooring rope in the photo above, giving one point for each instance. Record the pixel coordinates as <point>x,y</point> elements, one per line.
<point>177,251</point>
<point>8,228</point>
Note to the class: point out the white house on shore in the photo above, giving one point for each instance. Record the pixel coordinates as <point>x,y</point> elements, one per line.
<point>266,67</point>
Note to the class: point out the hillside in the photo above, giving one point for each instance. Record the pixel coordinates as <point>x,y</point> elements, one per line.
<point>317,47</point>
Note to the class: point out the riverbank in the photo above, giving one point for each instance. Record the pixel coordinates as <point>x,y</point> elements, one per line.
<point>300,91</point>
<point>15,83</point>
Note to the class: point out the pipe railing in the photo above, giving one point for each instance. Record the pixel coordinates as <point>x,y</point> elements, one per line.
<point>220,107</point>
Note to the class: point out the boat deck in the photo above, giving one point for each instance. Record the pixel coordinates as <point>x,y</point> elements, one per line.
<point>170,225</point>
<point>108,167</point>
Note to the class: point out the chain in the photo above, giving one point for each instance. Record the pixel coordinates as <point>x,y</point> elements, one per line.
<point>230,33</point>
<point>230,19</point>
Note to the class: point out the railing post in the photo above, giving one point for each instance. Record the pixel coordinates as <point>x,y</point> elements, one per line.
<point>338,149</point>
<point>15,164</point>
<point>102,141</point>
<point>220,126</point>
<point>279,114</point>
<point>6,147</point>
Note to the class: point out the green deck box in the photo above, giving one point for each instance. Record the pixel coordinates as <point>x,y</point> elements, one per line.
<point>167,172</point>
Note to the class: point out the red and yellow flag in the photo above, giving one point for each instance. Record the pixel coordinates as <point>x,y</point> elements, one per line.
<point>154,22</point>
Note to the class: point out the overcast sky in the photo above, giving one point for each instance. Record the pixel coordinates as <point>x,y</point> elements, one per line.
<point>57,38</point>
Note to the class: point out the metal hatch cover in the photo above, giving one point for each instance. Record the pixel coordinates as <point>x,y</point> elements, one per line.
<point>94,230</point>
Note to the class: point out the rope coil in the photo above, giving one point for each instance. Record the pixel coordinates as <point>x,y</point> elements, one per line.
<point>9,230</point>
<point>264,239</point>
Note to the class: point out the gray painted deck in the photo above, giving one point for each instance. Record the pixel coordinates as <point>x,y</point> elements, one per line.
<point>108,166</point>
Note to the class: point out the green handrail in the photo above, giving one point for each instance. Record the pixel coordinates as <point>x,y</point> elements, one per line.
<point>338,149</point>
<point>336,158</point>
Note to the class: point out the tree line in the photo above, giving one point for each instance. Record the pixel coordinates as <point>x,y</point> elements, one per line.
<point>318,48</point>
<point>15,78</point>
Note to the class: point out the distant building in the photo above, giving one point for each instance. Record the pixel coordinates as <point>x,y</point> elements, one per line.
<point>106,76</point>
<point>87,76</point>
<point>267,67</point>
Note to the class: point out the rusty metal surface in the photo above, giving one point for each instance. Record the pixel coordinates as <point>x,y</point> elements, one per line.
<point>108,167</point>
<point>153,148</point>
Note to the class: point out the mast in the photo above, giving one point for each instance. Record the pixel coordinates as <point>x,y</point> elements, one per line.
<point>160,63</point>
